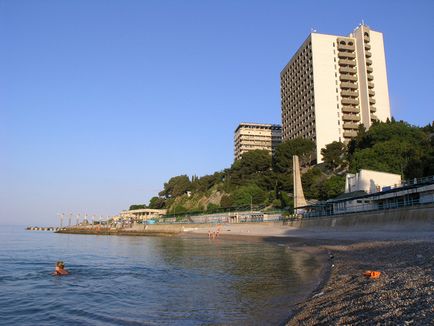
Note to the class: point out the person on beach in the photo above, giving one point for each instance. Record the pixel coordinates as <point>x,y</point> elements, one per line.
<point>60,269</point>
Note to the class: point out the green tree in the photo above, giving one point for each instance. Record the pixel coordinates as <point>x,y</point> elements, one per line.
<point>334,156</point>
<point>395,147</point>
<point>250,194</point>
<point>253,167</point>
<point>332,187</point>
<point>176,186</point>
<point>286,201</point>
<point>178,209</point>
<point>157,203</point>
<point>282,159</point>
<point>212,208</point>
<point>311,181</point>
<point>389,156</point>
<point>203,184</point>
<point>137,206</point>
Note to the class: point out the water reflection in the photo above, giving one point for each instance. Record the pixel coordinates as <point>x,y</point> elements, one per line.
<point>148,280</point>
<point>259,279</point>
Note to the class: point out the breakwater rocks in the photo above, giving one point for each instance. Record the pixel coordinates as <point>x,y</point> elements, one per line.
<point>42,228</point>
<point>136,229</point>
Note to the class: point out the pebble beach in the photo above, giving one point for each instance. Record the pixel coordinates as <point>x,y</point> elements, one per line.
<point>402,295</point>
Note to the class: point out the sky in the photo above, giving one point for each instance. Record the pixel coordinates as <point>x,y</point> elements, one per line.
<point>102,101</point>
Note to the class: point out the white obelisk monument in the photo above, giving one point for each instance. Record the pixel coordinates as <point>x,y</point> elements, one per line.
<point>299,200</point>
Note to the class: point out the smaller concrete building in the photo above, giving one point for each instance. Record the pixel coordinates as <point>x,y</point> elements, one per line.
<point>142,214</point>
<point>409,193</point>
<point>371,181</point>
<point>252,136</point>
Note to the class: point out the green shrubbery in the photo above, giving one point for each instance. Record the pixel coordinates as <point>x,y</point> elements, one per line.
<point>258,179</point>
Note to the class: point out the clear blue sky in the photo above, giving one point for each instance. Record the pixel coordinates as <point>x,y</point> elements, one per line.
<point>102,101</point>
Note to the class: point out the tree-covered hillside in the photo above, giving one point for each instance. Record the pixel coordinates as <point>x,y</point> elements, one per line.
<point>261,180</point>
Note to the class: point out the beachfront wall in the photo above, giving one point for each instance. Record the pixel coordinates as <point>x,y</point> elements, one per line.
<point>237,217</point>
<point>427,195</point>
<point>416,218</point>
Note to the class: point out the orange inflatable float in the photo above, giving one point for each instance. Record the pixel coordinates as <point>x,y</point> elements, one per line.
<point>372,274</point>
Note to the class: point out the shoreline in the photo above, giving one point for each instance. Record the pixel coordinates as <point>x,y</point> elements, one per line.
<point>403,294</point>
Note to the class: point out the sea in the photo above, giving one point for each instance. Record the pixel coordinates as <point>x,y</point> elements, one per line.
<point>148,280</point>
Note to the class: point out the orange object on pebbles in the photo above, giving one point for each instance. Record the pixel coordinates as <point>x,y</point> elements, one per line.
<point>372,274</point>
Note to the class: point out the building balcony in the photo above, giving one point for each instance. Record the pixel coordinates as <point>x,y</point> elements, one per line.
<point>348,70</point>
<point>370,77</point>
<point>350,55</point>
<point>346,47</point>
<point>374,117</point>
<point>368,62</point>
<point>348,78</point>
<point>372,101</point>
<point>348,85</point>
<point>346,62</point>
<point>350,134</point>
<point>350,117</point>
<point>367,47</point>
<point>349,101</point>
<point>371,92</point>
<point>350,109</point>
<point>368,54</point>
<point>370,85</point>
<point>369,69</point>
<point>366,39</point>
<point>372,109</point>
<point>349,93</point>
<point>351,126</point>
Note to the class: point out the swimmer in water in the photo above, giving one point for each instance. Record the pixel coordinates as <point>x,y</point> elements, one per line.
<point>60,269</point>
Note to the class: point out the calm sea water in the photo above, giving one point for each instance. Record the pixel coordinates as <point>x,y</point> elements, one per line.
<point>119,280</point>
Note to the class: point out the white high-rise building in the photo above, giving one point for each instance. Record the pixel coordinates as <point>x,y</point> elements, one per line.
<point>251,136</point>
<point>332,84</point>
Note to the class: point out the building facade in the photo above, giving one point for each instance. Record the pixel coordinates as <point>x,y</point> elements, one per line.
<point>332,84</point>
<point>251,136</point>
<point>143,214</point>
<point>371,181</point>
